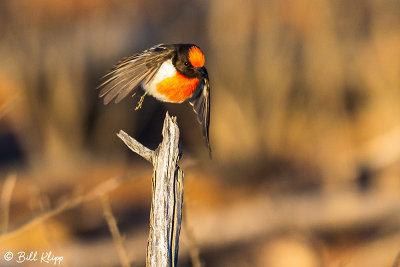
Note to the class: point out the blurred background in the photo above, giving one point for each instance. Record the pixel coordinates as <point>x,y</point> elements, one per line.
<point>305,131</point>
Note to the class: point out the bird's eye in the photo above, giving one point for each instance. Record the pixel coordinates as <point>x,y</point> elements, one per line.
<point>186,63</point>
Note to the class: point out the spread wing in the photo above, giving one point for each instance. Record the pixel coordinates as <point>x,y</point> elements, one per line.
<point>132,71</point>
<point>201,105</point>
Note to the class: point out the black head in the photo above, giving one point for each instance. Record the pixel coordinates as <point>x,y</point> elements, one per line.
<point>189,60</point>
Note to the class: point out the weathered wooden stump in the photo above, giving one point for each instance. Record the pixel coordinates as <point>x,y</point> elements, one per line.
<point>167,200</point>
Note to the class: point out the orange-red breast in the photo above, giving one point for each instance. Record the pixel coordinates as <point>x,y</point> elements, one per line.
<point>170,73</point>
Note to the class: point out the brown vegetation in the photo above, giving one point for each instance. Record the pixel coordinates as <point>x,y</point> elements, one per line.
<point>304,127</point>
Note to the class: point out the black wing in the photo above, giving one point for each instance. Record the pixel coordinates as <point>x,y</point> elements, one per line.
<point>201,105</point>
<point>132,71</point>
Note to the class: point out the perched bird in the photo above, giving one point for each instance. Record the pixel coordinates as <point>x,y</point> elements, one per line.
<point>170,73</point>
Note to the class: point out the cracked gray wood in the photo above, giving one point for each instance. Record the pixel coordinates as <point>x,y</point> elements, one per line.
<point>167,198</point>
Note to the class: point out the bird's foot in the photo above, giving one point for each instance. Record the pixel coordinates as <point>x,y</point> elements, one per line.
<point>140,103</point>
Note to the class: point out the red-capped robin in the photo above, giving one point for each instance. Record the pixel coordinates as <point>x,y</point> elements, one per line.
<point>170,73</point>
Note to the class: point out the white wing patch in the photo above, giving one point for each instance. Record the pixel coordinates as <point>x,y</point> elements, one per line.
<point>166,70</point>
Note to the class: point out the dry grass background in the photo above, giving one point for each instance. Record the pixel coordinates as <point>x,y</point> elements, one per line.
<point>305,131</point>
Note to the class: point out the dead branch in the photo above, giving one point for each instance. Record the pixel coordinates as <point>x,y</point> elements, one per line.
<point>6,193</point>
<point>263,216</point>
<point>166,206</point>
<point>136,147</point>
<point>98,191</point>
<point>113,227</point>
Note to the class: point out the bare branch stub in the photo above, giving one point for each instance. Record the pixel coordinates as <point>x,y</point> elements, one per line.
<point>167,198</point>
<point>136,147</point>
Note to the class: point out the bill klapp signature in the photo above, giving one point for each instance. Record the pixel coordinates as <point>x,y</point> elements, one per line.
<point>34,256</point>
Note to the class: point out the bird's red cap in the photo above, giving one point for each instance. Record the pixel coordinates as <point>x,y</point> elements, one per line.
<point>196,57</point>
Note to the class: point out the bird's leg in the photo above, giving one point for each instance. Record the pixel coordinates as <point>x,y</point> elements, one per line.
<point>140,103</point>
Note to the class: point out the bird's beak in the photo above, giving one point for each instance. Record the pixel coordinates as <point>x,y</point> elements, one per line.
<point>203,71</point>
